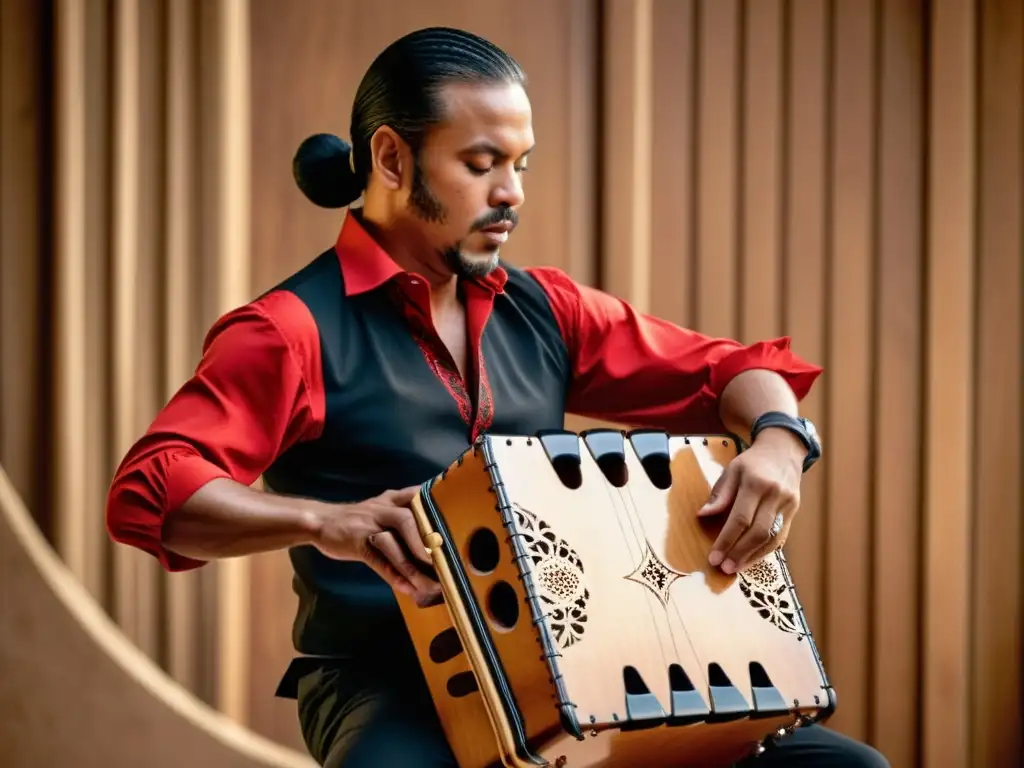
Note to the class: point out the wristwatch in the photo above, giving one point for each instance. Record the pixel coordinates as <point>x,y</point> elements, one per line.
<point>801,427</point>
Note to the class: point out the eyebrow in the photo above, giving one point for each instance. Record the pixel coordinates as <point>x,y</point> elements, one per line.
<point>487,148</point>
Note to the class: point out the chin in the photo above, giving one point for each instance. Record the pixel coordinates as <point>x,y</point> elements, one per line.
<point>479,263</point>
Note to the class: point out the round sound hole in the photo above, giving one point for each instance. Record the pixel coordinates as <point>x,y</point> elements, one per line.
<point>503,605</point>
<point>483,551</point>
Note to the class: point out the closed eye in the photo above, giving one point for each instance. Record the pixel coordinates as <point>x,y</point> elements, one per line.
<point>481,171</point>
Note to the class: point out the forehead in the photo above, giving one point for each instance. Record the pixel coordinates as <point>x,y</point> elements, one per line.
<point>497,113</point>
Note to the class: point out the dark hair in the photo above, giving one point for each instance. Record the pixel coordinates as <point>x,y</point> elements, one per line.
<point>400,90</point>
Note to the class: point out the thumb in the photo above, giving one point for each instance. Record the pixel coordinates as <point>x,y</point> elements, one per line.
<point>722,494</point>
<point>404,497</point>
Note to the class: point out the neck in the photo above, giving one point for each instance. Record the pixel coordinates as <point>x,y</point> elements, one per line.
<point>402,244</point>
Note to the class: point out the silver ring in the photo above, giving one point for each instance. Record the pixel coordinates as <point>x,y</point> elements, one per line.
<point>777,525</point>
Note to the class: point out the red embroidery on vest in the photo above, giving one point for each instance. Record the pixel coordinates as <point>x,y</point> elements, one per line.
<point>444,370</point>
<point>447,375</point>
<point>485,414</point>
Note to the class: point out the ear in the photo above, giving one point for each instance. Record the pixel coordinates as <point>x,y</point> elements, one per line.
<point>390,157</point>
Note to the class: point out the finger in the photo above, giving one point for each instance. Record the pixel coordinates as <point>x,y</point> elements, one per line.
<point>739,520</point>
<point>402,497</point>
<point>387,544</point>
<point>722,493</point>
<point>401,520</point>
<point>778,541</point>
<point>380,565</point>
<point>755,537</point>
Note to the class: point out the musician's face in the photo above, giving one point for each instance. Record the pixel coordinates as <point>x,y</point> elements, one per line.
<point>467,185</point>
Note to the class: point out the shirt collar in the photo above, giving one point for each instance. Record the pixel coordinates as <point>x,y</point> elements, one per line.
<point>366,266</point>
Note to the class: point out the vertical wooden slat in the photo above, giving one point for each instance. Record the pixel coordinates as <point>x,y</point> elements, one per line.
<point>233,289</point>
<point>850,334</point>
<point>180,242</point>
<point>718,161</point>
<point>583,43</point>
<point>95,381</point>
<point>628,130</point>
<point>205,286</point>
<point>69,429</point>
<point>674,196</point>
<point>805,202</point>
<point>148,352</point>
<point>949,362</point>
<point>760,300</point>
<point>996,623</point>
<point>896,466</point>
<point>21,178</point>
<point>130,592</point>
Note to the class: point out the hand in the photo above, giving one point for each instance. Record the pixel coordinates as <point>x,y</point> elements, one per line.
<point>760,484</point>
<point>381,532</point>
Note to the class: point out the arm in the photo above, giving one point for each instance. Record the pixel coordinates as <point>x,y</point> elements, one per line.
<point>182,492</point>
<point>632,368</point>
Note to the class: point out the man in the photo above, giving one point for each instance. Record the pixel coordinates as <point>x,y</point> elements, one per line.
<point>370,370</point>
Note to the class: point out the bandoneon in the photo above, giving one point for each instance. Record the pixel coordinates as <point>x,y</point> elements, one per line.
<point>582,624</point>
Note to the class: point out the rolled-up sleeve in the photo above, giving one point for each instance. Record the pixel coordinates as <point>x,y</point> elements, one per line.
<point>257,390</point>
<point>632,368</point>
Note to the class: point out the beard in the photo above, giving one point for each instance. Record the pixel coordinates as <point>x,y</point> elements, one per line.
<point>426,206</point>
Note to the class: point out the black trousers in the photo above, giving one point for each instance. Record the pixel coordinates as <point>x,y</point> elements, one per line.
<point>351,718</point>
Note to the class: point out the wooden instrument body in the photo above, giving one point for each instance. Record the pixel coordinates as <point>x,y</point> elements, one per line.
<point>582,624</point>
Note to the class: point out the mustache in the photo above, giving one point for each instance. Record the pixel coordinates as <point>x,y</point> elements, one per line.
<point>496,216</point>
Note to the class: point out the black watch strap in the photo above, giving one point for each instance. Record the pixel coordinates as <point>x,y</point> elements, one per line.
<point>797,426</point>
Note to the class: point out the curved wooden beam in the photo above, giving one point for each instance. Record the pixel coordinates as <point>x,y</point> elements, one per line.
<point>72,687</point>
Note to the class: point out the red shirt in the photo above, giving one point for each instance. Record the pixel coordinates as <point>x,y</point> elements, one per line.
<point>258,388</point>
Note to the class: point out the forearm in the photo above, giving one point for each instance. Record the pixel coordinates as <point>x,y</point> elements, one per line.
<point>751,394</point>
<point>227,519</point>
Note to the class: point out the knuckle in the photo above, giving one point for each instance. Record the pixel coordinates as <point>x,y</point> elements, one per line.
<point>762,528</point>
<point>742,517</point>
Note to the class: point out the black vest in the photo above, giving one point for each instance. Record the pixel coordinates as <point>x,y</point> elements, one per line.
<point>390,423</point>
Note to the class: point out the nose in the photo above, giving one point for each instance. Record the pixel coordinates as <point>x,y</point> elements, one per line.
<point>509,192</point>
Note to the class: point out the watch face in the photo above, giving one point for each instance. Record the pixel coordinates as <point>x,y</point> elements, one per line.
<point>812,432</point>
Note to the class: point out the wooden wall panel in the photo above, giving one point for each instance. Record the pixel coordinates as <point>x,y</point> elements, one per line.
<point>83,272</point>
<point>762,132</point>
<point>805,202</point>
<point>850,335</point>
<point>718,166</point>
<point>22,191</point>
<point>995,509</point>
<point>627,121</point>
<point>949,388</point>
<point>827,170</point>
<point>893,677</point>
<point>673,197</point>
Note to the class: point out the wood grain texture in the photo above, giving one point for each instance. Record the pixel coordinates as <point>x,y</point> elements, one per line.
<point>949,362</point>
<point>996,509</point>
<point>896,386</point>
<point>850,244</point>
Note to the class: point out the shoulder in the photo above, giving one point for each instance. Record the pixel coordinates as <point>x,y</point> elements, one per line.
<point>552,280</point>
<point>279,323</point>
<point>320,277</point>
<point>559,290</point>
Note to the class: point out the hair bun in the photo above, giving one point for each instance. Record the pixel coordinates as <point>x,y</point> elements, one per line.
<point>322,170</point>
